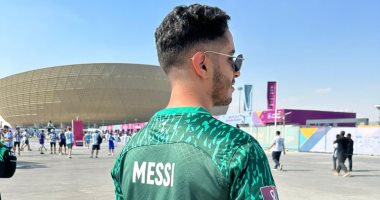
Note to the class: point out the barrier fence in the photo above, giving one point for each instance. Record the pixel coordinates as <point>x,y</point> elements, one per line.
<point>304,139</point>
<point>318,139</point>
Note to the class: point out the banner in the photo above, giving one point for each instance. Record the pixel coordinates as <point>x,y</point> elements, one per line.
<point>248,98</point>
<point>78,132</point>
<point>242,118</point>
<point>271,95</point>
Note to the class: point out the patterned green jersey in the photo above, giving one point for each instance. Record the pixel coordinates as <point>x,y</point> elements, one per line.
<point>185,153</point>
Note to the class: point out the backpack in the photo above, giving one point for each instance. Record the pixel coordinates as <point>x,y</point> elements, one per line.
<point>8,163</point>
<point>100,139</point>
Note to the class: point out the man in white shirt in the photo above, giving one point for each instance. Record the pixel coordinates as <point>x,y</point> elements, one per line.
<point>25,140</point>
<point>17,140</point>
<point>69,140</point>
<point>7,138</point>
<point>279,146</point>
<point>95,144</point>
<point>53,140</point>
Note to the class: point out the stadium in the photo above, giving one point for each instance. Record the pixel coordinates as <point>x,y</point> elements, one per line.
<point>98,94</point>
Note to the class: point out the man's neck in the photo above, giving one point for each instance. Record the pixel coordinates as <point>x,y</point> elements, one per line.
<point>188,97</point>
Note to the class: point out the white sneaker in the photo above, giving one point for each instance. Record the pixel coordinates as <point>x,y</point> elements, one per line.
<point>281,167</point>
<point>347,174</point>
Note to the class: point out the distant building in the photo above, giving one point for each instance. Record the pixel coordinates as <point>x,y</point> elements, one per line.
<point>101,93</point>
<point>301,117</point>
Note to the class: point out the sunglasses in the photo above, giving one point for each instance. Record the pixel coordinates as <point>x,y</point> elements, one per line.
<point>237,60</point>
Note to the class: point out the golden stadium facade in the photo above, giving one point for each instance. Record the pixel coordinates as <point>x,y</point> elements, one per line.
<point>98,94</point>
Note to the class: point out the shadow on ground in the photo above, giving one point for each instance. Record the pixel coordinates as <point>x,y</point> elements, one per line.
<point>296,170</point>
<point>29,165</point>
<point>366,170</point>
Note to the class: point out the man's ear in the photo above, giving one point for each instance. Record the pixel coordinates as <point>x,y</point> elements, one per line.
<point>199,65</point>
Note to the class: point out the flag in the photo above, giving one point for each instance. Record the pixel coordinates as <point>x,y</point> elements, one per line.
<point>271,95</point>
<point>248,98</point>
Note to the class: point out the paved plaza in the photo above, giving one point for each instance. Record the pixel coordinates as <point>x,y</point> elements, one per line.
<point>305,176</point>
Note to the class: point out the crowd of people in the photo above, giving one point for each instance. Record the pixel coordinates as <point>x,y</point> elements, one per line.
<point>19,140</point>
<point>343,150</point>
<point>61,141</point>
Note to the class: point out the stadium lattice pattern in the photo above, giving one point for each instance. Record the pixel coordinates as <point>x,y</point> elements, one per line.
<point>96,93</point>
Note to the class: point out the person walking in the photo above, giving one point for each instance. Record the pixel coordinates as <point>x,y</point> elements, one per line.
<point>184,152</point>
<point>96,141</point>
<point>62,143</point>
<point>53,141</point>
<point>350,151</point>
<point>25,139</point>
<point>111,144</point>
<point>279,146</point>
<point>69,140</point>
<point>7,138</point>
<point>335,153</point>
<point>41,139</point>
<point>342,149</point>
<point>17,136</point>
<point>87,139</point>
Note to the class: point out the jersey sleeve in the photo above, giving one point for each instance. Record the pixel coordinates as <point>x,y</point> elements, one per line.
<point>250,176</point>
<point>117,175</point>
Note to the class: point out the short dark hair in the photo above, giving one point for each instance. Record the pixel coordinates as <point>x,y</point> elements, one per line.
<point>342,133</point>
<point>185,27</point>
<point>278,132</point>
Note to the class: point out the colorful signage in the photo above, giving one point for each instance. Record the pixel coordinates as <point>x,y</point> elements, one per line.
<point>271,95</point>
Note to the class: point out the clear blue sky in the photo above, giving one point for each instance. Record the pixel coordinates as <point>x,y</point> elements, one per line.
<point>325,54</point>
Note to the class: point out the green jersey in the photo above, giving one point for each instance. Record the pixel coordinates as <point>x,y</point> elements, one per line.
<point>185,153</point>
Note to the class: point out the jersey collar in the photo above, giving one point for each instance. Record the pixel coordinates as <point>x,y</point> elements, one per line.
<point>181,110</point>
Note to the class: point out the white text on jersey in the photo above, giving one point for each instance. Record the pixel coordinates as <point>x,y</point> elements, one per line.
<point>163,173</point>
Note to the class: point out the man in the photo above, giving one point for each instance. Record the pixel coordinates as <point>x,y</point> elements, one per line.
<point>350,151</point>
<point>335,153</point>
<point>41,139</point>
<point>53,140</point>
<point>342,154</point>
<point>17,140</point>
<point>25,139</point>
<point>7,138</point>
<point>69,140</point>
<point>95,144</point>
<point>111,144</point>
<point>279,146</point>
<point>50,126</point>
<point>183,152</point>
<point>62,143</point>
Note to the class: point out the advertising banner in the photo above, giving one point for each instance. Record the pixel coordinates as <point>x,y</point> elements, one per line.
<point>78,132</point>
<point>271,95</point>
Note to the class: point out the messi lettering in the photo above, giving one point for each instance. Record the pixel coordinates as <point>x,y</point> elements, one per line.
<point>152,173</point>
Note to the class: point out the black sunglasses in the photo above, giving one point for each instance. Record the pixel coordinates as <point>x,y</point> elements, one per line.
<point>238,60</point>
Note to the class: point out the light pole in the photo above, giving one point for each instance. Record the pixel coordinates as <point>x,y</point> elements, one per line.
<point>284,119</point>
<point>240,89</point>
<point>378,107</point>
